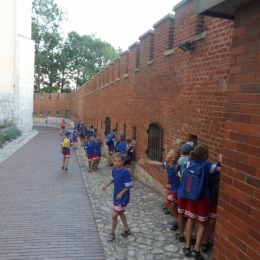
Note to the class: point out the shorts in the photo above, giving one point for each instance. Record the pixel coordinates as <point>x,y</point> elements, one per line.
<point>119,208</point>
<point>91,158</point>
<point>168,185</point>
<point>62,128</point>
<point>173,198</point>
<point>182,205</point>
<point>97,156</point>
<point>74,140</point>
<point>110,150</point>
<point>212,211</point>
<point>198,210</point>
<point>66,154</point>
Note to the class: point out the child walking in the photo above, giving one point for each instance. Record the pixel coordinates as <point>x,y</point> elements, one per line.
<point>122,184</point>
<point>65,150</point>
<point>75,138</point>
<point>98,144</point>
<point>90,151</point>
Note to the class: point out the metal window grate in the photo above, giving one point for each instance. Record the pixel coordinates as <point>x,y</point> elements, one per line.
<point>107,126</point>
<point>155,142</point>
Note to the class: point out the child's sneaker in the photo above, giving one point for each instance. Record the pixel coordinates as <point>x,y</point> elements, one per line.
<point>174,225</point>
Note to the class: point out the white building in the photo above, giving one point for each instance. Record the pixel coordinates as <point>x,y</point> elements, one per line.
<point>16,63</point>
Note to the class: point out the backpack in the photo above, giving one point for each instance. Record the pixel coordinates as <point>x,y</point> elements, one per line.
<point>213,183</point>
<point>65,143</point>
<point>109,140</point>
<point>194,180</point>
<point>62,124</point>
<point>176,167</point>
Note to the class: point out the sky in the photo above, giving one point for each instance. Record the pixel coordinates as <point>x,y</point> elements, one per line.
<point>118,22</point>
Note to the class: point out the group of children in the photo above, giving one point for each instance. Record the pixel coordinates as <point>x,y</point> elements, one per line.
<point>182,163</point>
<point>187,165</point>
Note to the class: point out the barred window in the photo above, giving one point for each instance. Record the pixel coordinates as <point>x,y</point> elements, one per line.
<point>107,126</point>
<point>155,142</point>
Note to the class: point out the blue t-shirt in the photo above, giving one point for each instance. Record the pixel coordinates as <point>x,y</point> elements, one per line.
<point>112,146</point>
<point>129,155</point>
<point>174,180</point>
<point>98,145</point>
<point>90,146</point>
<point>122,146</point>
<point>66,150</point>
<point>182,160</point>
<point>209,168</point>
<point>94,134</point>
<point>74,135</point>
<point>121,181</point>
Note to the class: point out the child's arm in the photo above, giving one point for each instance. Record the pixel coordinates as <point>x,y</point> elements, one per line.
<point>109,183</point>
<point>143,161</point>
<point>119,195</point>
<point>61,148</point>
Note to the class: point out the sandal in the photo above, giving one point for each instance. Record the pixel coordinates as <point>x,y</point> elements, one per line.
<point>196,254</point>
<point>165,211</point>
<point>186,251</point>
<point>178,237</point>
<point>205,247</point>
<point>175,226</point>
<point>66,169</point>
<point>126,233</point>
<point>111,237</point>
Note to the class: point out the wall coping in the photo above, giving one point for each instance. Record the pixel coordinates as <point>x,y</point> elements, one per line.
<point>124,52</point>
<point>180,4</point>
<point>133,45</point>
<point>168,16</point>
<point>146,33</point>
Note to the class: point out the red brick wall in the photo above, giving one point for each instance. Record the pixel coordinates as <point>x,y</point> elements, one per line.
<point>238,227</point>
<point>45,103</point>
<point>184,92</point>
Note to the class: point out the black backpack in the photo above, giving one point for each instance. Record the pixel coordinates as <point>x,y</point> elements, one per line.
<point>213,184</point>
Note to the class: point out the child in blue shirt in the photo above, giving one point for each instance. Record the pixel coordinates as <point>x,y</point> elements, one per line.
<point>98,144</point>
<point>75,138</point>
<point>90,151</point>
<point>122,184</point>
<point>170,164</point>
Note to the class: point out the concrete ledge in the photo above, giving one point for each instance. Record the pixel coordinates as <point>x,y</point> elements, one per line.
<point>117,79</point>
<point>149,62</point>
<point>106,85</point>
<point>133,45</point>
<point>169,52</point>
<point>199,37</point>
<point>168,16</point>
<point>102,87</point>
<point>136,69</point>
<point>146,33</point>
<point>126,76</point>
<point>112,82</point>
<point>179,5</point>
<point>124,52</point>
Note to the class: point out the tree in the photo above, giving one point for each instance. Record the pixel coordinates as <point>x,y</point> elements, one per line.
<point>46,20</point>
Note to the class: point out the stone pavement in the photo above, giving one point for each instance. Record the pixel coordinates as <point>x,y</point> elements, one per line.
<point>45,211</point>
<point>151,237</point>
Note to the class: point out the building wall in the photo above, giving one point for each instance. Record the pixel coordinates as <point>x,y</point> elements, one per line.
<point>56,104</point>
<point>238,226</point>
<point>16,64</point>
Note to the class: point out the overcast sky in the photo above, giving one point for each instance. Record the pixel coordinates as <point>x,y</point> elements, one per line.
<point>118,22</point>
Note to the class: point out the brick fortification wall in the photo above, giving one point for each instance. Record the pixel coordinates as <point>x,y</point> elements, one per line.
<point>53,105</point>
<point>155,81</point>
<point>211,92</point>
<point>238,227</point>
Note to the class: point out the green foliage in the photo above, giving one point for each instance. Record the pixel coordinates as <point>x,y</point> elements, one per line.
<point>64,64</point>
<point>9,135</point>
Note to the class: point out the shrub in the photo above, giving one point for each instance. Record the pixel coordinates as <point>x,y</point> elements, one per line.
<point>8,136</point>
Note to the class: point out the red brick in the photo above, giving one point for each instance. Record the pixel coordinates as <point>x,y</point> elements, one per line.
<point>232,107</point>
<point>255,182</point>
<point>249,129</point>
<point>256,214</point>
<point>221,230</point>
<point>255,161</point>
<point>234,192</point>
<point>255,203</point>
<point>250,241</point>
<point>230,126</point>
<point>241,98</point>
<point>239,137</point>
<point>253,26</point>
<point>246,58</point>
<point>253,67</point>
<point>244,78</point>
<point>237,242</point>
<point>243,187</point>
<point>250,88</point>
<point>253,254</point>
<point>240,118</point>
<point>255,120</point>
<point>234,88</point>
<point>233,210</point>
<point>257,77</point>
<point>255,223</point>
<point>237,50</point>
<point>249,37</point>
<point>249,109</point>
<point>255,234</point>
<point>239,224</point>
<point>229,144</point>
<point>248,149</point>
<point>252,47</point>
<point>239,31</point>
<point>243,256</point>
<point>235,69</point>
<point>223,195</point>
<point>246,168</point>
<point>234,173</point>
<point>235,155</point>
<point>255,140</point>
